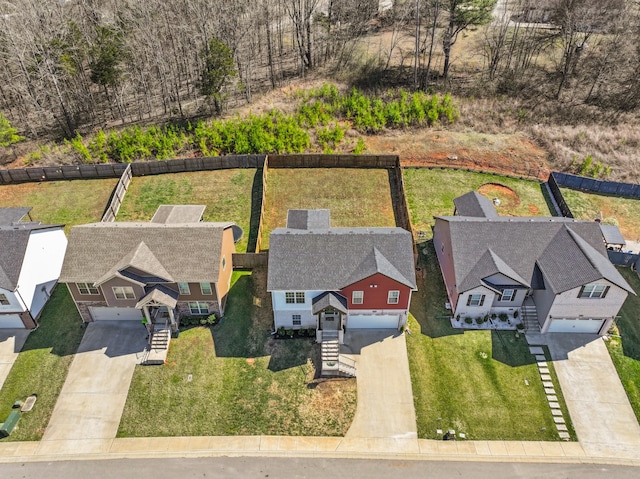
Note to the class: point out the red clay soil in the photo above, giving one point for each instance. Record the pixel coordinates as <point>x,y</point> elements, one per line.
<point>503,154</point>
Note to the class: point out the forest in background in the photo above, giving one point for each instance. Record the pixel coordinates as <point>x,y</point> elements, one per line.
<point>563,71</point>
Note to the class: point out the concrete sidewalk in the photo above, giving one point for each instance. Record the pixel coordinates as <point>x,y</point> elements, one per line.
<point>379,448</point>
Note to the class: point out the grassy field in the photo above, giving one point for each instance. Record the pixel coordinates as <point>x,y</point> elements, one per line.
<point>356,197</point>
<point>482,383</point>
<point>225,193</point>
<point>42,365</point>
<point>625,350</point>
<point>243,382</point>
<point>623,212</point>
<point>69,202</point>
<point>430,192</point>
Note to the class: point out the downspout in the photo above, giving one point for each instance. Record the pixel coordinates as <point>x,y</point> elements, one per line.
<point>24,303</point>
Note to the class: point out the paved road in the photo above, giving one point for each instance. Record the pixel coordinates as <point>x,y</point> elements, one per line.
<point>93,396</point>
<point>274,468</point>
<point>385,399</point>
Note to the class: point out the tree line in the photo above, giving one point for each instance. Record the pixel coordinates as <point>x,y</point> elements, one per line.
<point>88,64</point>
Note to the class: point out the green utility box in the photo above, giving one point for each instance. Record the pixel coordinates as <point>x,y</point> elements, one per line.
<point>9,424</point>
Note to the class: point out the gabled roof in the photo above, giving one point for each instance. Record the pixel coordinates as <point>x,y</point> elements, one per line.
<point>476,205</point>
<point>178,214</point>
<point>308,219</point>
<point>159,294</point>
<point>329,299</point>
<point>568,252</point>
<point>141,258</point>
<point>330,259</point>
<point>183,252</point>
<point>13,215</point>
<point>13,246</point>
<point>612,234</point>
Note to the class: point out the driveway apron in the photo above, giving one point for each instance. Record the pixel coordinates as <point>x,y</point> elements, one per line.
<point>600,410</point>
<point>385,398</point>
<point>93,396</point>
<point>11,342</point>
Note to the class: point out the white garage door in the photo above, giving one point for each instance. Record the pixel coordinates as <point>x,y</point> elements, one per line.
<point>10,321</point>
<point>373,321</point>
<point>115,314</point>
<point>576,325</point>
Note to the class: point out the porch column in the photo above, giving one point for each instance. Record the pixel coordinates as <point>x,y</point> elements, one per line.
<point>340,329</point>
<point>147,315</point>
<point>174,326</point>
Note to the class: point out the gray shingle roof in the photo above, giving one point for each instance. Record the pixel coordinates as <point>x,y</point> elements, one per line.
<point>187,252</point>
<point>142,258</point>
<point>178,214</point>
<point>159,294</point>
<point>308,219</point>
<point>329,299</point>
<point>13,215</point>
<point>13,241</point>
<point>474,204</point>
<point>330,259</point>
<point>568,252</point>
<point>612,234</point>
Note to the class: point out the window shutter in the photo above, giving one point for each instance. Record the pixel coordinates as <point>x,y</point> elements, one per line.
<point>481,300</point>
<point>469,300</point>
<point>515,292</point>
<point>604,293</point>
<point>580,293</point>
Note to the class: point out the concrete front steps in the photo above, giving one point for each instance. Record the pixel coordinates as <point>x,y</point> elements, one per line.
<point>335,364</point>
<point>529,315</point>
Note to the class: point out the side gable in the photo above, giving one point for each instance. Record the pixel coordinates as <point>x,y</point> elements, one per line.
<point>375,290</point>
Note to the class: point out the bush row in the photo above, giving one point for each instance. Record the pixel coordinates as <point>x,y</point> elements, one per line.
<point>324,112</point>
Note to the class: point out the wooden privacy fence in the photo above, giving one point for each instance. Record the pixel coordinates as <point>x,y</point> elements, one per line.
<point>250,260</point>
<point>140,168</point>
<point>333,161</point>
<point>118,196</point>
<point>263,198</point>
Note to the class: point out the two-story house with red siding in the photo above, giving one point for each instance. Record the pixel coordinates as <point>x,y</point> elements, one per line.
<point>173,266</point>
<point>334,279</point>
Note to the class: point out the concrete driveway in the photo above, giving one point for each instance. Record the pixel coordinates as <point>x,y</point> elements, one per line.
<point>385,398</point>
<point>11,342</point>
<point>598,405</point>
<point>93,396</point>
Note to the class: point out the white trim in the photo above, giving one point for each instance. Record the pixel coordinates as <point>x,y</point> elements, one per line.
<point>180,289</point>
<point>88,287</point>
<point>360,299</point>
<point>397,296</point>
<point>210,293</point>
<point>125,291</point>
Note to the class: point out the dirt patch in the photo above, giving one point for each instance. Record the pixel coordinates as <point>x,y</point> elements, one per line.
<point>507,199</point>
<point>508,154</point>
<point>534,210</point>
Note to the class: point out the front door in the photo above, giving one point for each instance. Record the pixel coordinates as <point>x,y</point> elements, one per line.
<point>330,320</point>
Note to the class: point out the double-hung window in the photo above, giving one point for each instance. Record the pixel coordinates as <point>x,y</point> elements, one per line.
<point>393,297</point>
<point>475,300</point>
<point>593,291</point>
<point>357,297</point>
<point>123,292</point>
<point>294,297</point>
<point>3,300</point>
<point>183,288</point>
<point>87,288</point>
<point>507,295</point>
<point>205,289</point>
<point>296,319</point>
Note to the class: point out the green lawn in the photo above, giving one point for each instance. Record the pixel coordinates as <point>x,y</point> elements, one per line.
<point>623,212</point>
<point>243,382</point>
<point>225,193</point>
<point>42,365</point>
<point>68,202</point>
<point>430,192</point>
<point>625,351</point>
<point>474,382</point>
<point>356,197</point>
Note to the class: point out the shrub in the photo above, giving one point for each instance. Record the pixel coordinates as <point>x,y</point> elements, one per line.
<point>468,320</point>
<point>494,315</point>
<point>503,317</point>
<point>515,314</point>
<point>281,331</point>
<point>360,147</point>
<point>479,320</point>
<point>520,326</point>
